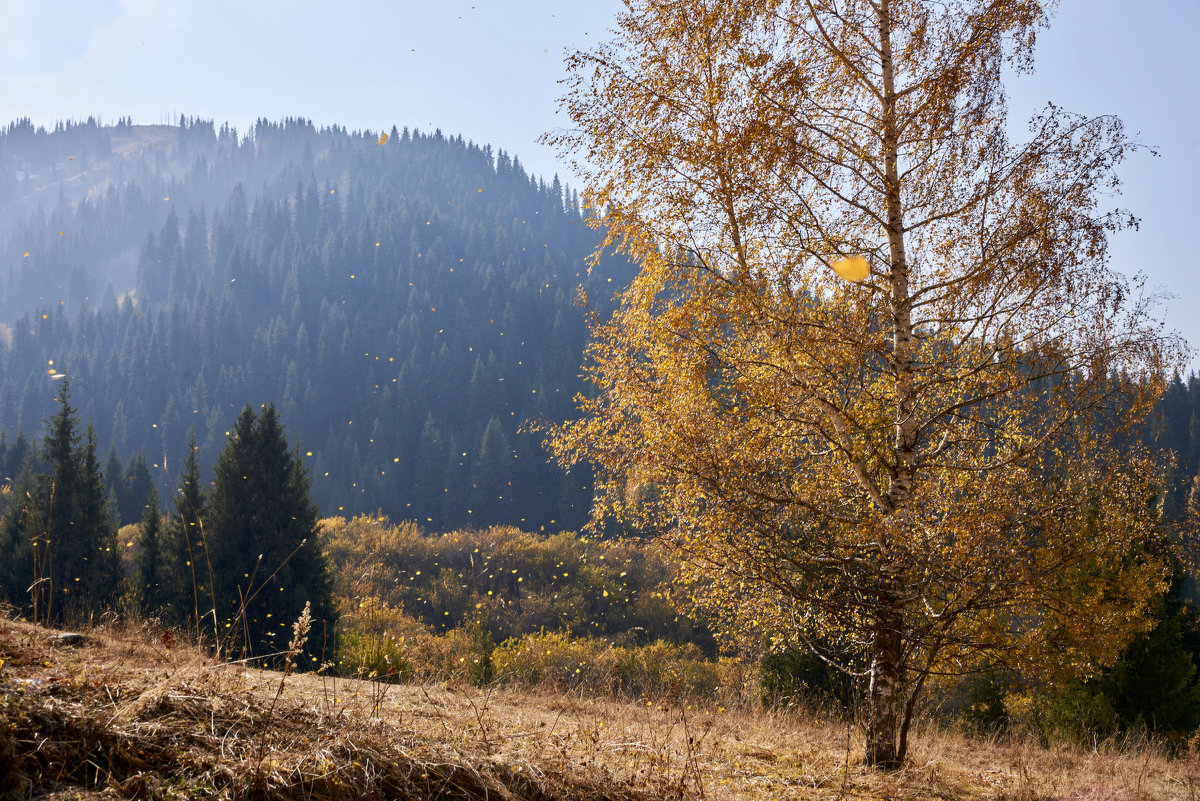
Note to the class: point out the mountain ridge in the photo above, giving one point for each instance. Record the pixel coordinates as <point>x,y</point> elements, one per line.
<point>422,290</point>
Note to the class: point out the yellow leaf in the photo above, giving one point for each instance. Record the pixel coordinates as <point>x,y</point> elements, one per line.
<point>383,139</point>
<point>854,268</point>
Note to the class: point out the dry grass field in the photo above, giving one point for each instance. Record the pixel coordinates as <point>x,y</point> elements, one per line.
<point>127,714</point>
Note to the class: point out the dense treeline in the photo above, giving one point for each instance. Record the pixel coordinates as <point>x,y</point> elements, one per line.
<point>78,200</point>
<point>235,563</point>
<point>407,307</point>
<point>1176,429</point>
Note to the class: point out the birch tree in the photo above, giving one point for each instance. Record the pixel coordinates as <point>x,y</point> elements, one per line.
<point>875,377</point>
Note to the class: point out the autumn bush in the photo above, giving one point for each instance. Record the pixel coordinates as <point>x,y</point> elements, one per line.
<point>800,678</point>
<point>554,659</point>
<point>373,640</point>
<point>571,612</point>
<point>662,667</point>
<point>515,582</point>
<point>463,654</point>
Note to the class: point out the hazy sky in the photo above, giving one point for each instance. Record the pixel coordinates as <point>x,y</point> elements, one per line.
<point>489,70</point>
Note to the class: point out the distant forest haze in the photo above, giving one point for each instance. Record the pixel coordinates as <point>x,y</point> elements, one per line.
<point>407,305</point>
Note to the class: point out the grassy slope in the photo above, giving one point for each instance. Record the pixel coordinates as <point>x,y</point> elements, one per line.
<point>124,716</point>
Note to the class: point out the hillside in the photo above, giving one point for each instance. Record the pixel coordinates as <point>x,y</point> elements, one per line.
<point>408,306</point>
<point>133,714</point>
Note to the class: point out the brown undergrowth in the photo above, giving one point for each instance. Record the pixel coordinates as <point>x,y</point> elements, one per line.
<point>129,714</point>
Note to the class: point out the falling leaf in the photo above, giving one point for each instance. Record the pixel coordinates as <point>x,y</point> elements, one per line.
<point>854,268</point>
<point>383,139</point>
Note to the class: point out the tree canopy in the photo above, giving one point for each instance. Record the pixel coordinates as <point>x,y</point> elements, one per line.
<point>876,375</point>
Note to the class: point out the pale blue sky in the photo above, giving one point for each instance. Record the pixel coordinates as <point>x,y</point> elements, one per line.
<point>489,70</point>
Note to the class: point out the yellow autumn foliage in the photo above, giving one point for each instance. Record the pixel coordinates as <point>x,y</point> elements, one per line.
<point>918,475</point>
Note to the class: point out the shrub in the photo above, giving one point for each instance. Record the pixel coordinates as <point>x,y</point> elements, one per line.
<point>666,668</point>
<point>373,640</point>
<point>519,582</point>
<point>555,659</point>
<point>792,677</point>
<point>462,654</point>
<point>372,655</point>
<point>558,660</point>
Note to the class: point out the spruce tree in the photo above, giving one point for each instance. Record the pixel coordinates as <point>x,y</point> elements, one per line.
<point>99,525</point>
<point>189,590</point>
<point>135,484</point>
<point>262,535</point>
<point>16,544</point>
<point>112,475</point>
<point>492,489</point>
<point>60,555</point>
<point>71,533</point>
<point>150,576</point>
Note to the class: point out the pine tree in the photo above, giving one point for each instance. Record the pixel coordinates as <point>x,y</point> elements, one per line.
<point>150,577</point>
<point>190,586</point>
<point>112,474</point>
<point>59,556</point>
<point>262,536</point>
<point>16,545</point>
<point>492,486</point>
<point>428,468</point>
<point>99,528</point>
<point>67,525</point>
<point>135,484</point>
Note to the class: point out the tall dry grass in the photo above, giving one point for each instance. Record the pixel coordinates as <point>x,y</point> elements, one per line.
<point>135,715</point>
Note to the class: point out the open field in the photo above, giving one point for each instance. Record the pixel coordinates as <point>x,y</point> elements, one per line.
<point>127,715</point>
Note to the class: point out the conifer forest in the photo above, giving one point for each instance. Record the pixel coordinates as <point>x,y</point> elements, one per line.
<point>409,307</point>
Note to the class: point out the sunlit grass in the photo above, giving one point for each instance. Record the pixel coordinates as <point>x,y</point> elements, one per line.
<point>137,712</point>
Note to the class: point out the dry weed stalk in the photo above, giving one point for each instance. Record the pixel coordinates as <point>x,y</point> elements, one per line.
<point>299,639</point>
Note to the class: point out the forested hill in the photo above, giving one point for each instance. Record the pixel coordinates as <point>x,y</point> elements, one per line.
<point>407,304</point>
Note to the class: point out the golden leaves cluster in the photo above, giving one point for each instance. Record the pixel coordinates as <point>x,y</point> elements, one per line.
<point>874,343</point>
